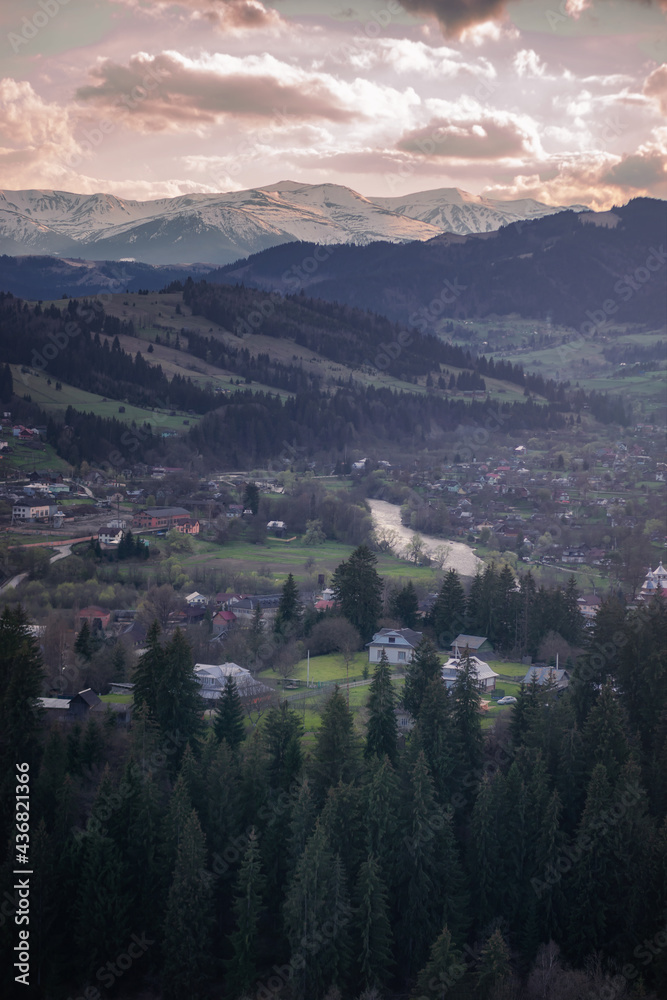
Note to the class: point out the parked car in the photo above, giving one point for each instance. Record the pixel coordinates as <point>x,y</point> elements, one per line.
<point>507,700</point>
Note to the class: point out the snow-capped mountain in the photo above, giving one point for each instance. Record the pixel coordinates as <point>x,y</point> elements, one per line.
<point>220,228</point>
<point>455,211</point>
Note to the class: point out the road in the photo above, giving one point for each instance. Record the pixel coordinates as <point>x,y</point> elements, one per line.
<point>62,551</point>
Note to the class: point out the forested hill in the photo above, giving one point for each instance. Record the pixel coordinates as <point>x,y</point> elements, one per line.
<point>334,402</point>
<point>557,268</point>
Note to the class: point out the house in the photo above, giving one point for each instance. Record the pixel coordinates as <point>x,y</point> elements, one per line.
<point>486,677</point>
<point>191,527</point>
<point>547,675</point>
<point>156,518</point>
<point>224,619</point>
<point>574,555</point>
<point>404,721</point>
<point>110,536</point>
<point>245,608</point>
<point>589,605</point>
<point>41,510</point>
<point>477,644</point>
<point>234,510</point>
<point>277,527</point>
<point>95,616</point>
<point>84,702</point>
<point>213,677</point>
<point>399,645</point>
<point>135,633</point>
<point>196,600</point>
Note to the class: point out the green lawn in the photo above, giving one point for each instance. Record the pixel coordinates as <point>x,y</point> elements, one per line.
<point>509,669</point>
<point>57,400</point>
<point>330,667</point>
<point>118,699</point>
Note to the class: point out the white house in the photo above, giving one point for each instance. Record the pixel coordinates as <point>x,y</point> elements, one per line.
<point>196,600</point>
<point>110,536</point>
<point>213,677</point>
<point>398,643</point>
<point>486,677</point>
<point>39,511</point>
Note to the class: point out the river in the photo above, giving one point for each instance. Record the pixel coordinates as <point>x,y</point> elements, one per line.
<point>387,517</point>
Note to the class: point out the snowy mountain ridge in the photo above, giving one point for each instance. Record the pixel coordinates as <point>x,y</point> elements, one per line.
<point>221,228</point>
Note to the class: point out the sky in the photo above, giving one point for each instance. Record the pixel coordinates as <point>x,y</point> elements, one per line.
<point>564,101</point>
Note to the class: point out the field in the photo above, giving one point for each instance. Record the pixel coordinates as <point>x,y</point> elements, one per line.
<point>275,558</point>
<point>57,400</point>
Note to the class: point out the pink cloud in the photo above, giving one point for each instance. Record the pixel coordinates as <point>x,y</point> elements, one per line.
<point>169,92</point>
<point>655,86</point>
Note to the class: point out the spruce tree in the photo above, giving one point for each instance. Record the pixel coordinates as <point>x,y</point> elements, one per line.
<point>447,616</point>
<point>382,728</point>
<point>335,757</point>
<point>179,705</point>
<point>102,908</point>
<point>282,733</point>
<point>149,671</point>
<point>605,737</point>
<point>419,867</point>
<point>358,590</point>
<point>372,926</point>
<point>590,876</point>
<point>188,920</point>
<point>445,969</point>
<point>435,730</point>
<point>404,605</point>
<point>465,716</point>
<point>83,645</point>
<point>493,969</point>
<point>381,801</point>
<point>484,851</point>
<point>423,668</point>
<point>228,720</point>
<point>248,908</point>
<point>317,917</point>
<point>290,611</point>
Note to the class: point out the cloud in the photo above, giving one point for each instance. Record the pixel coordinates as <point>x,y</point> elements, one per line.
<point>486,137</point>
<point>655,86</point>
<point>36,137</point>
<point>170,92</point>
<point>527,63</point>
<point>457,15</point>
<point>599,179</point>
<point>230,16</point>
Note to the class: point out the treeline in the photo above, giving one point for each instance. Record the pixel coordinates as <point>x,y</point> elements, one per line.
<point>250,367</point>
<point>247,862</point>
<point>86,437</point>
<point>514,617</point>
<point>635,353</point>
<point>66,344</point>
<point>252,427</point>
<point>336,332</point>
